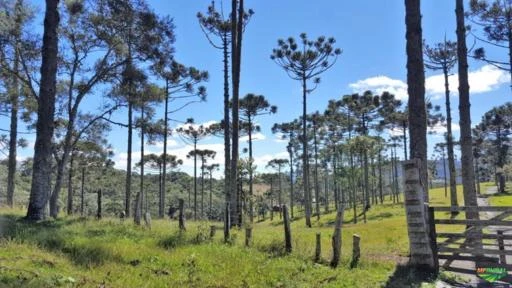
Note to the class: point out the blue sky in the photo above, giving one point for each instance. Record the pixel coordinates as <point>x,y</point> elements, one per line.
<point>371,34</point>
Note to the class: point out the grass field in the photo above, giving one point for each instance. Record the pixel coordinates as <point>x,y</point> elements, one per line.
<point>77,252</point>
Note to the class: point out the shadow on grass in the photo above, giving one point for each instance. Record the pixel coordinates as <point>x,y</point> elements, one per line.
<point>407,276</point>
<point>51,236</point>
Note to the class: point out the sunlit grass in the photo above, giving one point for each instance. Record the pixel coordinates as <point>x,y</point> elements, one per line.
<point>82,252</point>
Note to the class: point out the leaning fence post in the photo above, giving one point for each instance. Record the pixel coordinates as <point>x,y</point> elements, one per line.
<point>287,233</point>
<point>318,248</point>
<point>501,247</point>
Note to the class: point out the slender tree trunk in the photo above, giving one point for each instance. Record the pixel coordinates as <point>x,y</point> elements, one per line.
<point>128,184</point>
<point>317,185</point>
<point>468,177</point>
<point>290,152</point>
<point>42,167</point>
<point>82,195</point>
<point>404,130</point>
<point>161,207</point>
<point>211,192</point>
<point>251,216</point>
<point>202,187</point>
<point>13,133</point>
<point>140,195</point>
<point>445,178</point>
<point>235,73</point>
<point>381,188</point>
<point>227,142</point>
<point>195,179</point>
<point>280,191</point>
<point>70,186</point>
<point>416,88</point>
<point>305,158</point>
<point>449,142</point>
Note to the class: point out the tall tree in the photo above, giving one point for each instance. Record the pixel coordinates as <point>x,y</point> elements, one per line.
<point>466,145</point>
<point>278,164</point>
<point>42,167</point>
<point>252,106</point>
<point>238,19</point>
<point>443,56</point>
<point>416,87</point>
<point>305,61</point>
<point>203,154</point>
<point>191,135</point>
<point>181,83</point>
<point>210,168</point>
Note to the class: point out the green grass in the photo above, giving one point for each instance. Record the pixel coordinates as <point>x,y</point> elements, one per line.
<point>502,199</point>
<point>78,252</point>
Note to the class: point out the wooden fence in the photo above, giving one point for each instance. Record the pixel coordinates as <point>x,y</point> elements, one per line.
<point>478,240</point>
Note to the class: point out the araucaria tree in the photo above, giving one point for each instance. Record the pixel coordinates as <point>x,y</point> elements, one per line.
<point>443,56</point>
<point>305,61</point>
<point>191,135</point>
<point>495,19</point>
<point>251,106</point>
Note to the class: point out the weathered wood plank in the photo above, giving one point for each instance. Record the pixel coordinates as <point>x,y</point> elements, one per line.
<point>473,208</point>
<point>464,235</point>
<point>473,222</point>
<point>473,251</point>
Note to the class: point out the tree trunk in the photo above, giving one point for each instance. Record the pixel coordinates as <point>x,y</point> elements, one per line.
<point>181,215</point>
<point>227,144</point>
<point>98,214</point>
<point>468,176</point>
<point>82,195</point>
<point>195,179</point>
<point>251,216</point>
<point>128,184</point>
<point>449,142</point>
<point>287,233</point>
<point>70,186</point>
<point>416,87</point>
<point>161,207</point>
<point>13,133</point>
<point>42,167</point>
<point>317,185</point>
<point>336,237</point>
<point>305,158</point>
<point>290,152</point>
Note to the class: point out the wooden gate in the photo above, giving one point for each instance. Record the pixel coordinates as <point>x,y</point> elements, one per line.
<point>488,240</point>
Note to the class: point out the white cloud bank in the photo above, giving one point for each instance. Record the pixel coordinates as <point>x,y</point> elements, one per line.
<point>484,79</point>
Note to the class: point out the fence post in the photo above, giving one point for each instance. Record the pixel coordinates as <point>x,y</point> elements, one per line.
<point>318,248</point>
<point>287,233</point>
<point>213,229</point>
<point>433,235</point>
<point>356,250</point>
<point>501,247</point>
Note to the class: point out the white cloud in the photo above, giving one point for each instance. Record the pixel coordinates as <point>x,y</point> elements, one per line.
<point>440,129</point>
<point>262,161</point>
<point>379,84</point>
<point>484,79</point>
<point>255,137</point>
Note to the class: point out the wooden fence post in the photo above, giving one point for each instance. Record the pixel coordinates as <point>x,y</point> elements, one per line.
<point>181,215</point>
<point>213,229</point>
<point>98,214</point>
<point>248,236</point>
<point>356,250</point>
<point>287,233</point>
<point>501,247</point>
<point>432,235</point>
<point>318,248</point>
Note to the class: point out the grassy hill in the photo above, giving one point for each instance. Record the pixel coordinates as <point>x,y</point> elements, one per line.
<point>80,252</point>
